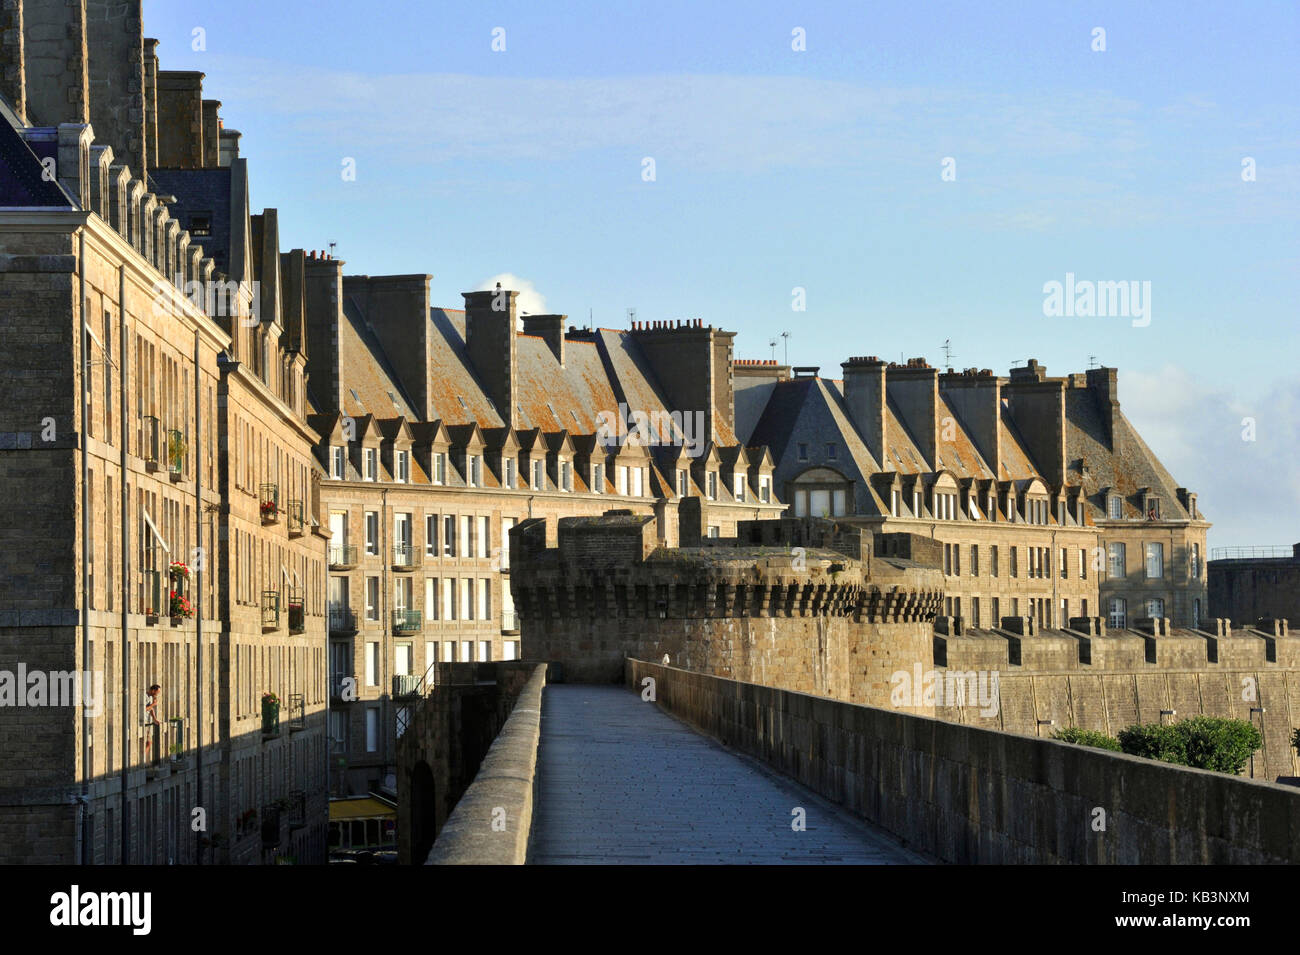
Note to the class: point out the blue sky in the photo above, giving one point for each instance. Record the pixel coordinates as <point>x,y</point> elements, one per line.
<point>821,169</point>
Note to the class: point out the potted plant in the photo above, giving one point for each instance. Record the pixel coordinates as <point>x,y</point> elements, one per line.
<point>270,713</point>
<point>181,608</point>
<point>270,510</point>
<point>177,448</point>
<point>178,570</point>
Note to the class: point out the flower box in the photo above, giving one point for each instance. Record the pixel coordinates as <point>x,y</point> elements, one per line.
<point>270,714</point>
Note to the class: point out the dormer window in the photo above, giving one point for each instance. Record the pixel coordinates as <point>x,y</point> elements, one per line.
<point>992,508</point>
<point>539,476</point>
<point>440,468</point>
<point>974,508</point>
<point>765,489</point>
<point>566,476</point>
<point>403,462</point>
<point>713,485</point>
<point>1153,508</point>
<point>1116,511</point>
<point>622,479</point>
<point>475,470</point>
<point>916,503</point>
<point>682,483</point>
<point>636,482</point>
<point>896,503</point>
<point>598,479</point>
<point>740,487</point>
<point>371,457</point>
<point>831,451</point>
<point>509,469</point>
<point>336,462</point>
<point>803,452</point>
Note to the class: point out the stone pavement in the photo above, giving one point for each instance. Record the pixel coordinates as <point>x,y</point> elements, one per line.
<point>622,782</point>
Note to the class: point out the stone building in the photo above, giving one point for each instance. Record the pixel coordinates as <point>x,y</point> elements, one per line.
<point>439,430</point>
<point>154,407</point>
<point>1253,583</point>
<point>1047,501</point>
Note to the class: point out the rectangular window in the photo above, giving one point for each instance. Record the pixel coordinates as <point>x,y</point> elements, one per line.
<point>467,651</point>
<point>476,471</point>
<point>997,612</point>
<point>1064,564</point>
<point>713,485</point>
<point>484,651</point>
<point>372,468</point>
<point>765,488</point>
<point>1155,561</point>
<point>566,476</point>
<point>1153,508</point>
<point>598,479</point>
<point>1015,570</point>
<point>916,503</point>
<point>484,539</point>
<point>539,476</point>
<point>372,729</point>
<point>831,450</point>
<point>681,483</point>
<point>372,663</point>
<point>803,452</point>
<point>448,599</point>
<point>510,472</point>
<point>638,475</point>
<point>838,502</point>
<point>975,612</point>
<point>466,599</point>
<point>431,600</point>
<point>1156,607</point>
<point>448,536</point>
<point>431,535</point>
<point>622,479</point>
<point>336,463</point>
<point>1116,507</point>
<point>993,561</point>
<point>485,599</point>
<point>402,593</point>
<point>372,532</point>
<point>372,598</point>
<point>506,524</point>
<point>1195,567</point>
<point>895,503</point>
<point>403,467</point>
<point>1115,568</point>
<point>1118,618</point>
<point>1083,564</point>
<point>974,560</point>
<point>740,487</point>
<point>466,536</point>
<point>440,468</point>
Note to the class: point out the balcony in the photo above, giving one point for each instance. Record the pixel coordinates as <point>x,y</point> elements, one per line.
<point>177,449</point>
<point>406,685</point>
<point>342,557</point>
<point>343,687</point>
<point>297,809</point>
<point>297,613</point>
<point>270,715</point>
<point>509,621</point>
<point>268,497</point>
<point>342,621</point>
<point>297,713</point>
<point>176,740</point>
<point>270,610</point>
<point>296,522</point>
<point>405,556</point>
<point>271,826</point>
<point>151,594</point>
<point>150,438</point>
<point>407,621</point>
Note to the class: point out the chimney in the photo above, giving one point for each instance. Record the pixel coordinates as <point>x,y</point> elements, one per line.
<point>396,307</point>
<point>693,364</point>
<point>975,396</point>
<point>493,346</point>
<point>180,120</point>
<point>115,42</point>
<point>323,301</point>
<point>551,328</point>
<point>211,133</point>
<point>1037,403</point>
<point>293,277</point>
<point>55,63</point>
<point>228,151</point>
<point>864,394</point>
<point>914,389</point>
<point>13,68</point>
<point>1104,383</point>
<point>150,73</point>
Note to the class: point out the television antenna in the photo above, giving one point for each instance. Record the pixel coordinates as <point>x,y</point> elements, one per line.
<point>947,353</point>
<point>772,345</point>
<point>786,336</point>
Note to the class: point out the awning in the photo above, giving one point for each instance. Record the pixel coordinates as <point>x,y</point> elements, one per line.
<point>364,807</point>
<point>153,527</point>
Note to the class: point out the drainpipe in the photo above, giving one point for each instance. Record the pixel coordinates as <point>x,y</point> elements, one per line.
<point>1056,578</point>
<point>198,590</point>
<point>126,570</point>
<point>387,622</point>
<point>86,769</point>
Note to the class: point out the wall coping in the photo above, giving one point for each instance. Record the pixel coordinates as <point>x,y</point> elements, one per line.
<point>504,781</point>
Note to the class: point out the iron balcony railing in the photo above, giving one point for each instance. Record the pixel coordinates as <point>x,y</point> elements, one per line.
<point>342,620</point>
<point>1257,551</point>
<point>270,609</point>
<point>407,684</point>
<point>297,808</point>
<point>405,555</point>
<point>406,621</point>
<point>151,592</point>
<point>268,497</point>
<point>342,684</point>
<point>342,556</point>
<point>297,613</point>
<point>297,712</point>
<point>150,439</point>
<point>177,448</point>
<point>509,621</point>
<point>296,521</point>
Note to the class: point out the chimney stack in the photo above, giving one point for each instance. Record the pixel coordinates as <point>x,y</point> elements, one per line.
<point>550,328</point>
<point>493,346</point>
<point>864,394</point>
<point>914,389</point>
<point>976,397</point>
<point>396,307</point>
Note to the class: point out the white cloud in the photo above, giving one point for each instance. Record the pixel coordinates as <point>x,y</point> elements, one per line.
<point>529,300</point>
<point>1249,490</point>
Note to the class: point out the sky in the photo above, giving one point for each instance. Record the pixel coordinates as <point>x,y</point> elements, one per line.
<point>918,173</point>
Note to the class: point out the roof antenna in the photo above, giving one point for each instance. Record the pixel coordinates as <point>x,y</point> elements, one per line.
<point>631,317</point>
<point>947,353</point>
<point>786,336</point>
<point>332,244</point>
<point>772,345</point>
<point>1092,361</point>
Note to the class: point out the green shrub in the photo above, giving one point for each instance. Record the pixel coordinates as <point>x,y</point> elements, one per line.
<point>1295,739</point>
<point>1203,742</point>
<point>1094,738</point>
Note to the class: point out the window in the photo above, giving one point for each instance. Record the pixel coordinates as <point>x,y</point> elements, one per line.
<point>466,536</point>
<point>566,476</point>
<point>803,452</point>
<point>1116,507</point>
<point>484,599</point>
<point>765,489</point>
<point>1118,613</point>
<point>430,604</point>
<point>1015,570</point>
<point>975,612</point>
<point>1156,607</point>
<point>1153,508</point>
<point>336,462</point>
<point>402,594</point>
<point>372,729</point>
<point>715,531</point>
<point>974,560</point>
<point>539,478</point>
<point>371,456</point>
<point>476,471</point>
<point>431,535</point>
<point>895,503</point>
<point>682,482</point>
<point>993,564</point>
<point>484,536</point>
<point>831,451</point>
<point>372,532</point>
<point>372,598</point>
<point>200,225</point>
<point>448,600</point>
<point>1064,564</point>
<point>740,487</point>
<point>1115,566</point>
<point>598,479</point>
<point>510,472</point>
<point>622,480</point>
<point>484,651</point>
<point>448,536</point>
<point>1195,562</point>
<point>440,468</point>
<point>372,663</point>
<point>838,502</point>
<point>506,524</point>
<point>466,599</point>
<point>403,467</point>
<point>713,485</point>
<point>1155,561</point>
<point>1083,564</point>
<point>997,611</point>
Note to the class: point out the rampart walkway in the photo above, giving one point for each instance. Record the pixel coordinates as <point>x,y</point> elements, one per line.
<point>620,781</point>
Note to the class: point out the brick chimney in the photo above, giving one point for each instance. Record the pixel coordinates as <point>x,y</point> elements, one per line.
<point>692,361</point>
<point>914,390</point>
<point>396,307</point>
<point>550,328</point>
<point>115,43</point>
<point>1104,383</point>
<point>864,394</point>
<point>975,395</point>
<point>493,347</point>
<point>1038,405</point>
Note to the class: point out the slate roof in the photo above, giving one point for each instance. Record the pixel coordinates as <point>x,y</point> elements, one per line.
<point>22,182</point>
<point>206,191</point>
